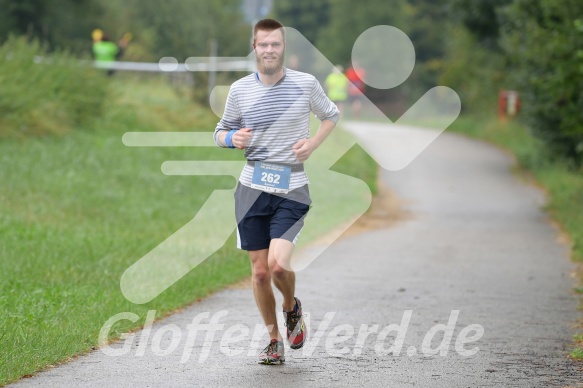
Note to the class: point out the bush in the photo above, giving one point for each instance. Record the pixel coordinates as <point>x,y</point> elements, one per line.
<point>49,96</point>
<point>474,71</point>
<point>544,39</point>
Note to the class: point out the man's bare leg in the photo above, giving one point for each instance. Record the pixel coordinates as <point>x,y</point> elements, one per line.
<point>279,259</point>
<point>263,292</point>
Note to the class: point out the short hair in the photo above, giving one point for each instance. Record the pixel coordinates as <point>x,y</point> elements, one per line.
<point>268,25</point>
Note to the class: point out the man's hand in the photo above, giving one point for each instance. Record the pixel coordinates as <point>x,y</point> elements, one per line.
<point>303,149</point>
<point>242,138</point>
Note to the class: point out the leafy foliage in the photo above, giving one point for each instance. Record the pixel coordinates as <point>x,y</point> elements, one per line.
<point>179,28</point>
<point>183,28</point>
<point>544,39</point>
<point>533,46</point>
<point>480,17</point>
<point>477,47</point>
<point>348,20</point>
<point>308,17</point>
<point>58,24</point>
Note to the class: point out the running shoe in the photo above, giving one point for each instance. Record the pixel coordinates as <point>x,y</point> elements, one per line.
<point>296,330</point>
<point>273,353</point>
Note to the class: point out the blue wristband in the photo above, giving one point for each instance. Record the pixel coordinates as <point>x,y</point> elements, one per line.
<point>229,138</point>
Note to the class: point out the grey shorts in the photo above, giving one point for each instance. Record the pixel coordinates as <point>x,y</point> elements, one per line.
<point>263,216</point>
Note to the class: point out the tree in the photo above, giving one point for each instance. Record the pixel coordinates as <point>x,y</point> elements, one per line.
<point>348,20</point>
<point>58,24</point>
<point>21,17</point>
<point>481,19</point>
<point>425,22</point>
<point>544,40</point>
<point>307,16</point>
<point>474,63</point>
<point>184,28</point>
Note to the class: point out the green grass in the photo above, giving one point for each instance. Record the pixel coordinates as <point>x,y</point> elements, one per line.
<point>50,97</point>
<point>77,210</point>
<point>562,183</point>
<point>577,354</point>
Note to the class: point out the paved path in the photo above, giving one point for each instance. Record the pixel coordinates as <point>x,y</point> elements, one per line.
<point>476,243</point>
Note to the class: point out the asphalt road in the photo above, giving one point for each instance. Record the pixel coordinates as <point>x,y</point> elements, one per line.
<point>472,289</point>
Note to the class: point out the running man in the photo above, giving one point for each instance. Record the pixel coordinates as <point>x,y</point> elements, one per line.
<point>267,114</point>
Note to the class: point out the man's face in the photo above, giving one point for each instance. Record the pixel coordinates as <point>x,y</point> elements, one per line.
<point>269,51</point>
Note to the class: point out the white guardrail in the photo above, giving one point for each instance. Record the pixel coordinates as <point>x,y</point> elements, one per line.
<point>170,64</point>
<point>192,64</point>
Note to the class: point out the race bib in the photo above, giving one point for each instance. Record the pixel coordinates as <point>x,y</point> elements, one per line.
<point>271,177</point>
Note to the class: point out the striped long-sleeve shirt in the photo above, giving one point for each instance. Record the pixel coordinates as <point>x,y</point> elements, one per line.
<point>278,115</point>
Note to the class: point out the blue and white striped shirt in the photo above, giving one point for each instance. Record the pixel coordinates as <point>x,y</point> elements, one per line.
<point>278,115</point>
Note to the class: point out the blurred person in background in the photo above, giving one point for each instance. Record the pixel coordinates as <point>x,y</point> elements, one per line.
<point>356,88</point>
<point>104,50</point>
<point>337,87</point>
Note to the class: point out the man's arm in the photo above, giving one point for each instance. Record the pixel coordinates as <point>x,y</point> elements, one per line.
<point>328,113</point>
<point>231,120</point>
<point>240,139</point>
<point>304,148</point>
